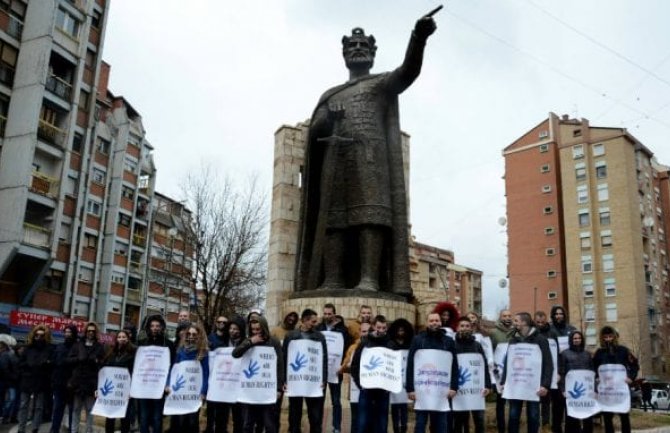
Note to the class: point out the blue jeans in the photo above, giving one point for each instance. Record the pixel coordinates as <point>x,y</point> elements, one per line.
<point>151,415</point>
<point>61,398</point>
<point>335,393</point>
<point>10,403</point>
<point>438,421</point>
<point>373,411</point>
<point>532,415</point>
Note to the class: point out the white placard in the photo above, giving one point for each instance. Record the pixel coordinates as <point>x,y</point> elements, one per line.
<point>581,399</point>
<point>258,381</point>
<point>401,397</point>
<point>381,368</point>
<point>432,379</point>
<point>487,345</point>
<point>224,376</point>
<point>499,363</point>
<point>524,371</point>
<point>335,348</point>
<point>563,343</point>
<point>185,386</point>
<point>450,332</point>
<point>553,349</point>
<point>150,372</point>
<point>471,383</point>
<point>304,369</point>
<point>613,391</point>
<point>113,392</point>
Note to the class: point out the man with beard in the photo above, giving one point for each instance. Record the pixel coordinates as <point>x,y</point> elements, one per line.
<point>373,403</point>
<point>364,316</point>
<point>466,344</point>
<point>611,352</point>
<point>432,338</point>
<point>526,333</point>
<point>559,323</point>
<point>62,396</point>
<point>501,334</point>
<point>552,402</point>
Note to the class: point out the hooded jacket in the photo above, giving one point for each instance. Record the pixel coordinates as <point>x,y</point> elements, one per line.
<point>86,360</point>
<point>573,358</point>
<point>242,325</point>
<point>269,341</point>
<point>614,353</point>
<point>372,340</point>
<point>160,339</point>
<point>393,332</point>
<point>501,334</point>
<point>534,337</point>
<point>62,367</point>
<point>562,328</point>
<point>453,313</point>
<point>431,340</point>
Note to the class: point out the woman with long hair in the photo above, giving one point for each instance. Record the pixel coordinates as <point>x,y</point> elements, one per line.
<point>35,375</point>
<point>121,354</point>
<point>192,347</point>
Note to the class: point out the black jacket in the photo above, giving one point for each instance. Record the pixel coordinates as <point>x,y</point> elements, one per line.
<point>313,335</point>
<point>35,368</point>
<point>9,368</point>
<point>469,345</point>
<point>86,361</point>
<point>573,358</point>
<point>161,339</point>
<point>534,337</point>
<point>372,341</point>
<point>246,344</point>
<point>431,340</point>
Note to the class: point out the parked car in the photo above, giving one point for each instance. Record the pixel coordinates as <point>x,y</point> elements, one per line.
<point>660,399</point>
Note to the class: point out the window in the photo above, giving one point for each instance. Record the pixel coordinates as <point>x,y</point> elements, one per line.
<point>577,133</point>
<point>548,210</point>
<point>124,220</point>
<point>8,57</point>
<point>96,18</point>
<point>604,216</point>
<point>587,264</point>
<point>543,147</point>
<point>548,230</point>
<point>551,274</point>
<point>591,336</point>
<point>583,217</point>
<point>606,238</point>
<point>543,134</point>
<point>552,295</point>
<point>71,186</point>
<point>603,192</point>
<point>601,169</point>
<point>546,188</point>
<point>585,240</point>
<point>577,151</point>
<point>587,288</point>
<point>611,312</point>
<point>93,207</point>
<point>129,165</point>
<point>545,168</point>
<point>90,240</point>
<point>98,176</point>
<point>120,249</point>
<point>104,146</point>
<point>65,230</point>
<point>580,171</point>
<point>608,262</point>
<point>53,280</point>
<point>610,286</point>
<point>127,192</point>
<point>582,194</point>
<point>598,149</point>
<point>589,313</point>
<point>67,23</point>
<point>118,278</point>
<point>89,60</point>
<point>549,252</point>
<point>84,99</point>
<point>77,141</point>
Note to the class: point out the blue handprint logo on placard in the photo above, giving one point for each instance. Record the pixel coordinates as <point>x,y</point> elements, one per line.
<point>299,362</point>
<point>578,390</point>
<point>107,388</point>
<point>253,369</point>
<point>179,384</point>
<point>464,375</point>
<point>375,362</point>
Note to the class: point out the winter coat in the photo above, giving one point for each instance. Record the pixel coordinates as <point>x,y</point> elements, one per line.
<point>469,345</point>
<point>534,337</point>
<point>62,368</point>
<point>573,358</point>
<point>313,335</point>
<point>562,328</point>
<point>270,341</point>
<point>501,334</point>
<point>123,359</point>
<point>371,341</point>
<point>35,368</point>
<point>86,360</point>
<point>431,340</point>
<point>161,339</point>
<point>215,340</point>
<point>9,368</point>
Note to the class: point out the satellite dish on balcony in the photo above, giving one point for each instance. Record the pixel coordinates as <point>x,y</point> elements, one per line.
<point>648,222</point>
<point>502,283</point>
<point>502,221</point>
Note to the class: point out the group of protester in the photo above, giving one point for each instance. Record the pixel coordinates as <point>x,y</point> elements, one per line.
<point>446,370</point>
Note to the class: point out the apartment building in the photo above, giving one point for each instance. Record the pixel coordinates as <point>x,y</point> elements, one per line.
<point>587,215</point>
<point>77,177</point>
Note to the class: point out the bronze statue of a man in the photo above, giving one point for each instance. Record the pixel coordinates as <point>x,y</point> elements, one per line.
<point>354,225</point>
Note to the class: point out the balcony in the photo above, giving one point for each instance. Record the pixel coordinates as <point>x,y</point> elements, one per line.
<point>139,240</point>
<point>36,235</point>
<point>50,133</point>
<point>44,185</point>
<point>135,267</point>
<point>59,87</point>
<point>10,24</point>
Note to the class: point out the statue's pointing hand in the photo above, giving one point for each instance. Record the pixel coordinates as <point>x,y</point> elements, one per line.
<point>425,27</point>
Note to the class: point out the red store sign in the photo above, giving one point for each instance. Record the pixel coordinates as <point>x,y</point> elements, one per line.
<point>54,323</point>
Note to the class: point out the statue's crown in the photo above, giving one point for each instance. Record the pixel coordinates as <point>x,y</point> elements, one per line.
<point>358,34</point>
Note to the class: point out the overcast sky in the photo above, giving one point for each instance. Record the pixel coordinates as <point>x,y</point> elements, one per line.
<point>213,80</point>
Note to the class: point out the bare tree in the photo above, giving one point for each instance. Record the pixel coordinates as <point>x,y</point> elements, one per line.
<point>228,229</point>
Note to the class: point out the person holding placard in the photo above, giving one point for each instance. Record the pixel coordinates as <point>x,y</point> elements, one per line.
<point>306,360</point>
<point>429,355</point>
<point>528,357</point>
<point>401,334</point>
<point>151,410</point>
<point>86,356</point>
<point>330,323</point>
<point>354,391</point>
<point>551,405</point>
<point>217,338</point>
<point>192,347</point>
<point>611,352</point>
<point>474,379</point>
<point>575,357</point>
<point>263,415</point>
<point>121,354</point>
<point>500,335</point>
